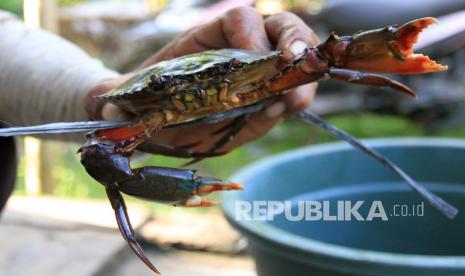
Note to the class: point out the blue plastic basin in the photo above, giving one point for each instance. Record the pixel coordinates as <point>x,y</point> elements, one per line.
<point>409,242</point>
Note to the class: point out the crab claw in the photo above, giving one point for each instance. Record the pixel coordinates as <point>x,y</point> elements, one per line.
<point>390,50</point>
<point>211,184</point>
<point>206,186</point>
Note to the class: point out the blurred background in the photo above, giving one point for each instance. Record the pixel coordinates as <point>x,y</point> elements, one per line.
<point>59,221</point>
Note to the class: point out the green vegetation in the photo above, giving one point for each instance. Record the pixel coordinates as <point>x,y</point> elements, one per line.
<point>13,6</point>
<point>16,6</point>
<point>70,2</point>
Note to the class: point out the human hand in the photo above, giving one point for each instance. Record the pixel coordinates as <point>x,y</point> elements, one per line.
<point>242,28</point>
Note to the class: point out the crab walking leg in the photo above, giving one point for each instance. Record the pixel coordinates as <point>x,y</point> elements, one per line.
<point>180,152</point>
<point>231,130</point>
<point>186,151</point>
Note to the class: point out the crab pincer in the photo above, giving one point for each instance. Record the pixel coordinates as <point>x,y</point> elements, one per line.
<point>390,50</point>
<point>165,185</point>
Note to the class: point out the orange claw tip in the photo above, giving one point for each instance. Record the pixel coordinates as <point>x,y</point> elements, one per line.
<point>206,189</point>
<point>235,186</point>
<point>197,201</point>
<point>406,36</point>
<point>390,50</point>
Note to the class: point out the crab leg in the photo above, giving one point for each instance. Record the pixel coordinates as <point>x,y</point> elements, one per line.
<point>231,129</point>
<point>357,77</point>
<point>297,75</point>
<point>186,152</point>
<point>180,152</point>
<point>390,50</point>
<point>173,186</point>
<point>167,185</point>
<point>124,225</point>
<point>386,50</point>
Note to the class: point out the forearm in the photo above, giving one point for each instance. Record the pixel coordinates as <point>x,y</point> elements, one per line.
<point>43,77</point>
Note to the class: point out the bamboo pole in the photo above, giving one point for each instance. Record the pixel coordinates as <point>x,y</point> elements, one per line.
<point>39,14</point>
<point>31,13</point>
<point>155,5</point>
<point>32,177</point>
<point>49,19</point>
<point>50,150</point>
<point>32,145</point>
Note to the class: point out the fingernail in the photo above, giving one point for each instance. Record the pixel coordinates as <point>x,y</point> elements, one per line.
<point>297,47</point>
<point>111,112</point>
<point>275,110</point>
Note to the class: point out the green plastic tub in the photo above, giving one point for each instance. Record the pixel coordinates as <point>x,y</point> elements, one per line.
<point>411,238</point>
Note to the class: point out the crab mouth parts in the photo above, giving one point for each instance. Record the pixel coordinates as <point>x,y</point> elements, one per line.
<point>406,37</point>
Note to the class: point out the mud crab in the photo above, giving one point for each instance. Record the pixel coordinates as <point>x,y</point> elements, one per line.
<point>232,84</point>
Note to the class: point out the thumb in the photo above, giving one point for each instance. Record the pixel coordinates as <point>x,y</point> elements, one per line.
<point>99,109</point>
<point>111,112</point>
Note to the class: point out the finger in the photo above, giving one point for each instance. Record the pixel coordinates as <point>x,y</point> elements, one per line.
<point>203,133</point>
<point>231,30</point>
<point>292,36</point>
<point>286,29</point>
<point>95,107</point>
<point>299,98</point>
<point>257,126</point>
<point>244,28</point>
<point>275,110</point>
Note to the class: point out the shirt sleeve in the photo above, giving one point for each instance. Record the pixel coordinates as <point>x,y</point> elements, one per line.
<point>43,77</point>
